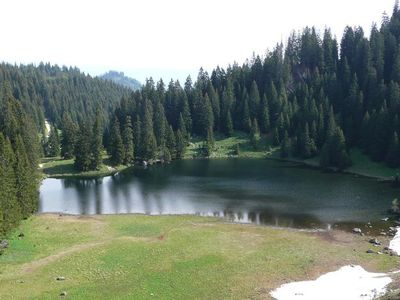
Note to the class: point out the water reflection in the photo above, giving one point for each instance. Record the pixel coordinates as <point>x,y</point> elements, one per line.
<point>246,191</point>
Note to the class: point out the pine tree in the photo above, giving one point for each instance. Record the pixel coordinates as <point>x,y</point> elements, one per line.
<point>285,146</point>
<point>170,141</point>
<point>182,127</point>
<point>97,143</point>
<point>246,121</point>
<point>137,137</point>
<point>229,124</point>
<point>209,143</point>
<point>127,138</point>
<point>254,134</point>
<point>180,145</point>
<point>254,100</point>
<point>11,212</point>
<point>26,185</point>
<point>264,116</point>
<point>117,150</point>
<point>159,124</point>
<point>148,140</point>
<point>68,138</point>
<point>83,155</point>
<point>53,143</point>
<point>334,153</point>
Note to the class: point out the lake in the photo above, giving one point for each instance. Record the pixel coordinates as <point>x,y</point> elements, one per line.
<point>242,190</point>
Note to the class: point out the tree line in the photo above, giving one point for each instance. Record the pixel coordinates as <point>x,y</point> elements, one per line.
<point>308,97</point>
<point>19,156</point>
<point>315,96</point>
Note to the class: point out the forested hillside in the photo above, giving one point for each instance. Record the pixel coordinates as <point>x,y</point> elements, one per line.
<point>120,78</point>
<point>28,96</point>
<point>47,91</point>
<point>19,155</point>
<point>314,96</point>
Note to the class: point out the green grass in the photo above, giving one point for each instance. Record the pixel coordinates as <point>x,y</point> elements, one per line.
<point>363,165</point>
<point>57,167</point>
<point>224,148</point>
<point>168,257</point>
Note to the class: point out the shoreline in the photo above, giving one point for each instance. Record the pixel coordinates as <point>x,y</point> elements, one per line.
<point>115,170</point>
<point>258,249</point>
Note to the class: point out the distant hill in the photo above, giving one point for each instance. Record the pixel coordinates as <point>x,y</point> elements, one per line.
<point>120,78</point>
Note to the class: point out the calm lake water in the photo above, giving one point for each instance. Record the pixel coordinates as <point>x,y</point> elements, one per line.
<point>242,190</point>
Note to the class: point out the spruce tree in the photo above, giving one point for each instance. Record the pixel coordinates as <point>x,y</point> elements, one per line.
<point>117,150</point>
<point>11,211</point>
<point>246,121</point>
<point>180,145</point>
<point>264,115</point>
<point>170,141</point>
<point>127,137</point>
<point>83,155</point>
<point>26,185</point>
<point>137,137</point>
<point>229,124</point>
<point>148,140</point>
<point>96,143</point>
<point>285,146</point>
<point>68,137</point>
<point>159,124</point>
<point>53,143</point>
<point>254,134</point>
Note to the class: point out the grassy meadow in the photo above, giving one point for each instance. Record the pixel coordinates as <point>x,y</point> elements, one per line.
<point>169,257</point>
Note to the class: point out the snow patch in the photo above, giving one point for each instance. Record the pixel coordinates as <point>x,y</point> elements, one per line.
<point>394,244</point>
<point>349,282</point>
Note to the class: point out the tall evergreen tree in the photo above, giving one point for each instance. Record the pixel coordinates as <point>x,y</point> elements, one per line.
<point>68,137</point>
<point>83,154</point>
<point>148,140</point>
<point>127,137</point>
<point>96,143</point>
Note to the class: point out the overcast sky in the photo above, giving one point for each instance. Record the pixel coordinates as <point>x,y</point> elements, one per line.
<point>165,38</point>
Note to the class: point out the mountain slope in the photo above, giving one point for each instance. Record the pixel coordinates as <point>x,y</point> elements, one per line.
<point>121,79</point>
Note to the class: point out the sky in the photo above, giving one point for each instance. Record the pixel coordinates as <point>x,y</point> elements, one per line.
<point>165,38</point>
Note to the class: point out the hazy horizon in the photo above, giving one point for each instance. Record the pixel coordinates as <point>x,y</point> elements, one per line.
<point>166,39</point>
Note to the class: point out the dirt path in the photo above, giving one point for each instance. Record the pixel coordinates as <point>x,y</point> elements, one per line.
<point>35,265</point>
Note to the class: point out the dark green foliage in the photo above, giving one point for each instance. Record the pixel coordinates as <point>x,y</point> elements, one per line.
<point>393,154</point>
<point>285,146</point>
<point>19,152</point>
<point>52,146</point>
<point>8,191</point>
<point>236,150</point>
<point>83,156</point>
<point>334,153</point>
<point>148,140</point>
<point>159,124</point>
<point>127,137</point>
<point>170,141</point>
<point>254,134</point>
<point>229,125</point>
<point>68,137</point>
<point>306,97</point>
<point>180,145</point>
<point>117,149</point>
<point>97,143</point>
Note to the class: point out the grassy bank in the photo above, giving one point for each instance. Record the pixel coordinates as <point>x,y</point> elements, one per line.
<point>225,147</point>
<point>57,167</point>
<point>169,257</point>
